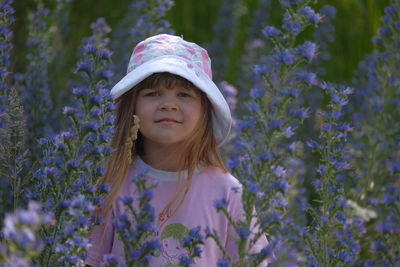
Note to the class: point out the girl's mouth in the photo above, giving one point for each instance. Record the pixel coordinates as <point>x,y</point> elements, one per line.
<point>167,120</point>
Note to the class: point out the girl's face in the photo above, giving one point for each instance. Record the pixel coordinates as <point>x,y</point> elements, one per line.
<point>167,116</point>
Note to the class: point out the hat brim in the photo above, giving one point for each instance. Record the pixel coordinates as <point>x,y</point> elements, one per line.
<point>222,119</point>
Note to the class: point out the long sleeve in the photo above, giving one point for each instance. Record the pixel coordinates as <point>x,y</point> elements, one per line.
<point>101,242</point>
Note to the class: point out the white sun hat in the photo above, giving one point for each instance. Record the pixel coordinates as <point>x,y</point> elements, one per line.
<point>169,53</point>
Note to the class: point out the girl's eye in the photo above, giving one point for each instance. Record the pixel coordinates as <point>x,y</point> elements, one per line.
<point>152,94</point>
<point>184,94</point>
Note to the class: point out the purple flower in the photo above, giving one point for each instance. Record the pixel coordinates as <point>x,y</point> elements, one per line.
<point>329,11</point>
<point>378,245</point>
<point>95,111</point>
<point>303,113</point>
<point>73,164</point>
<point>279,171</point>
<point>288,131</point>
<point>256,92</point>
<point>197,250</point>
<point>127,200</point>
<point>287,57</point>
<point>317,183</point>
<point>293,27</point>
<point>20,227</point>
<point>135,254</point>
<point>147,226</point>
<point>313,144</point>
<point>339,100</point>
<point>223,263</point>
<point>342,165</point>
<point>308,50</point>
<point>105,53</point>
<point>390,10</point>
<point>70,111</point>
<point>253,187</point>
<point>259,68</point>
<point>232,163</point>
<point>369,263</point>
<point>66,135</point>
<point>89,48</point>
<point>195,233</point>
<point>336,114</point>
<point>265,155</point>
<point>326,127</point>
<point>84,66</point>
<point>344,127</point>
<point>185,260</point>
<point>346,255</point>
<point>80,241</point>
<point>310,14</point>
<point>287,3</point>
<point>219,203</point>
<point>341,217</point>
<point>91,126</point>
<point>295,92</point>
<point>274,124</point>
<point>321,169</point>
<point>50,171</point>
<point>104,188</point>
<point>244,232</point>
<point>253,106</point>
<point>282,185</point>
<point>148,194</point>
<point>110,259</point>
<point>270,31</point>
<point>308,77</point>
<point>247,123</point>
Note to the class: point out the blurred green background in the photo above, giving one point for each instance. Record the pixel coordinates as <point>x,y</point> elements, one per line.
<point>356,23</point>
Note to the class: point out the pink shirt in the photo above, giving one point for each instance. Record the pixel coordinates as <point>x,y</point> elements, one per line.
<point>208,184</point>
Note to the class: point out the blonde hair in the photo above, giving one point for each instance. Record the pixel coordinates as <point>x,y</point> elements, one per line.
<point>199,150</point>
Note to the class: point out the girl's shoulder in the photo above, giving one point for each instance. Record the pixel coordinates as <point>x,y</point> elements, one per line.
<point>218,177</point>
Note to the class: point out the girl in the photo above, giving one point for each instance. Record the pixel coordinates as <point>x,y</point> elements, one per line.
<point>168,93</point>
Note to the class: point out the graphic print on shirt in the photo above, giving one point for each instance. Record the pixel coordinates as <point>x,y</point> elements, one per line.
<point>171,245</point>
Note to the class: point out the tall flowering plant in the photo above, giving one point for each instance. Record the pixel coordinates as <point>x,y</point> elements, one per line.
<point>6,19</point>
<point>323,36</point>
<point>224,37</point>
<point>331,236</point>
<point>255,48</point>
<point>376,143</point>
<point>34,83</point>
<point>136,227</point>
<point>72,160</point>
<point>265,152</point>
<point>13,156</point>
<point>142,20</point>
<point>21,242</point>
<point>14,173</point>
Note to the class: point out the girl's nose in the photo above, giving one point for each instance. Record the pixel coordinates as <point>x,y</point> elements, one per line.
<point>168,103</point>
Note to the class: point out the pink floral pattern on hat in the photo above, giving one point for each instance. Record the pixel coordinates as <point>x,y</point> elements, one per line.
<point>195,57</point>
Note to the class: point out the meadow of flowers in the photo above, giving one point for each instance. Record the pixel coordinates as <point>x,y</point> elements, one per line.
<point>319,160</point>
